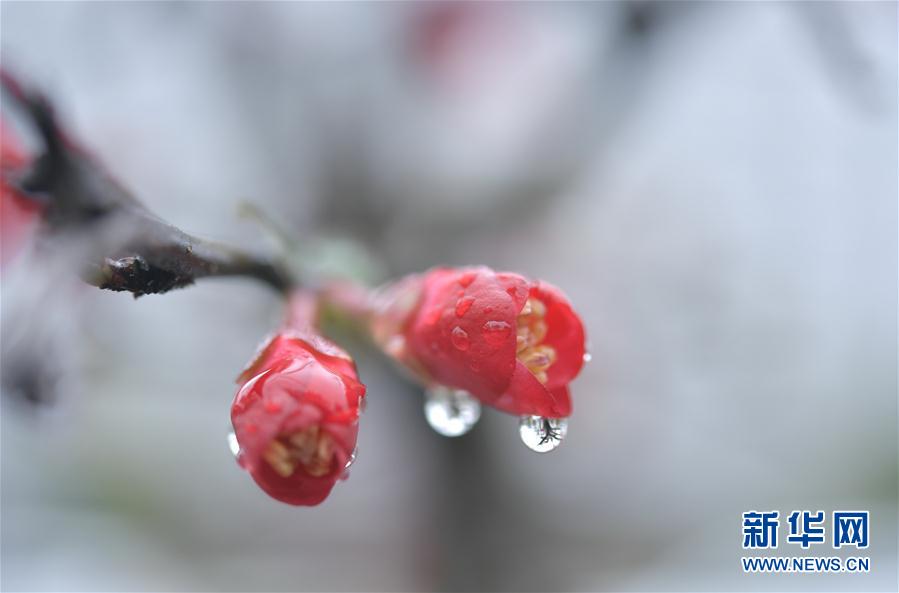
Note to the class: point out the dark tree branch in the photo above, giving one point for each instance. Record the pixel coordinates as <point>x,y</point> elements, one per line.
<point>131,249</point>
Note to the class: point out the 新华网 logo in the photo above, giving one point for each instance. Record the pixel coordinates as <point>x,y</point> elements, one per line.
<point>804,528</point>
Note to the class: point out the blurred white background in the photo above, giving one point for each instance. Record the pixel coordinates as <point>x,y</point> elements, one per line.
<point>713,185</point>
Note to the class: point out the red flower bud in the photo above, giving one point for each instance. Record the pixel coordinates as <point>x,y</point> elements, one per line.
<point>513,343</point>
<point>296,415</point>
<point>18,214</point>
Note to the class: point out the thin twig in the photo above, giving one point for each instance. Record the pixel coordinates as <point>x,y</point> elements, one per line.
<point>132,249</point>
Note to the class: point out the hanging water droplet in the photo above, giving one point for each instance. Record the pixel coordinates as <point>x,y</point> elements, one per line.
<point>233,444</point>
<point>587,357</point>
<point>451,412</point>
<point>459,338</point>
<point>542,434</point>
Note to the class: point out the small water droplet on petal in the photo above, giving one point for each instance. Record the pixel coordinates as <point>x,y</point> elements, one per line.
<point>451,412</point>
<point>587,357</point>
<point>233,445</point>
<point>497,332</point>
<point>349,462</point>
<point>463,306</point>
<point>459,338</point>
<point>467,279</point>
<point>542,434</point>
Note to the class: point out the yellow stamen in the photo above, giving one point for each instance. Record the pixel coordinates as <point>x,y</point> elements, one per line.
<point>538,358</point>
<point>522,340</point>
<point>531,331</point>
<point>311,448</point>
<point>277,456</point>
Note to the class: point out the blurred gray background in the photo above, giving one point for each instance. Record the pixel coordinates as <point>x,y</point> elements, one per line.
<point>713,185</point>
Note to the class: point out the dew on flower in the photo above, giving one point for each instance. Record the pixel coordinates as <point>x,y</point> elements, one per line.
<point>459,338</point>
<point>349,462</point>
<point>542,434</point>
<point>466,279</point>
<point>233,445</point>
<point>496,332</point>
<point>463,306</point>
<point>451,412</point>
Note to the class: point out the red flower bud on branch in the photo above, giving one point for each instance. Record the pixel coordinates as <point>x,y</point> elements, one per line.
<point>296,413</point>
<point>513,343</point>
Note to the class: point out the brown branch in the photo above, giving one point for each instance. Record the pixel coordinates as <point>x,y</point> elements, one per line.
<point>161,259</point>
<point>131,249</point>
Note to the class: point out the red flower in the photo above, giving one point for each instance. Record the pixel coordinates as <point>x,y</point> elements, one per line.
<point>296,416</point>
<point>513,343</point>
<point>18,214</point>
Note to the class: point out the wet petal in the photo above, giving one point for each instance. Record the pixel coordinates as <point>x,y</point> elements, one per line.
<point>565,333</point>
<point>450,341</point>
<point>528,396</point>
<point>297,389</point>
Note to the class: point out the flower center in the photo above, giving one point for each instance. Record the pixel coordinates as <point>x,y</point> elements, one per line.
<point>531,330</point>
<point>311,448</point>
